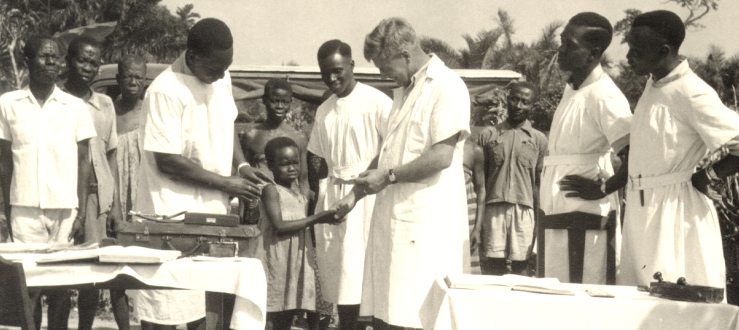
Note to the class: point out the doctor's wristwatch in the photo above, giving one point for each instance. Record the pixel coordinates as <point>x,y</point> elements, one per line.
<point>391,176</point>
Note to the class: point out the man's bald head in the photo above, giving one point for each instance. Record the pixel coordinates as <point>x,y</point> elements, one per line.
<point>130,61</point>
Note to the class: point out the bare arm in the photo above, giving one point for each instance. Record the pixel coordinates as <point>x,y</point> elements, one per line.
<point>253,175</point>
<point>6,173</point>
<point>84,169</point>
<point>434,160</point>
<point>271,201</point>
<point>587,189</point>
<point>478,177</point>
<point>116,213</point>
<point>183,169</point>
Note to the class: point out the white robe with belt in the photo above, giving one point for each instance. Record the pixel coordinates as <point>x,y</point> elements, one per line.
<point>347,134</point>
<point>677,121</point>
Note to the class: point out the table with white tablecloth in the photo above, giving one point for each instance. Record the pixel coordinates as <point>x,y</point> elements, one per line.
<point>243,277</point>
<point>454,309</point>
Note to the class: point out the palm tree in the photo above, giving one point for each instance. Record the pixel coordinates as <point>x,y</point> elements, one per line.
<point>186,15</point>
<point>478,47</point>
<point>450,56</point>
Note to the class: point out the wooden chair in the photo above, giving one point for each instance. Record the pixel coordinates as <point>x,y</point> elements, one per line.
<point>16,307</point>
<point>576,224</point>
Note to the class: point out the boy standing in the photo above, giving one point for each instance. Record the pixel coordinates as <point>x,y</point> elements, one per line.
<point>278,95</point>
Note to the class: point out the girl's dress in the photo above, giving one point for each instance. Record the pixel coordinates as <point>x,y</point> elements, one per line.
<point>289,258</point>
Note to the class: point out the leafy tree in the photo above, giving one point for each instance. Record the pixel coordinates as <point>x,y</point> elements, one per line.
<point>150,30</point>
<point>697,9</point>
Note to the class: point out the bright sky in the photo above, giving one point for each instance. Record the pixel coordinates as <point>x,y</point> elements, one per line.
<point>274,32</point>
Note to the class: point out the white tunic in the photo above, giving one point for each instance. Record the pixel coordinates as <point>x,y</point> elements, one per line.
<point>587,122</point>
<point>189,118</point>
<point>677,121</point>
<point>417,228</point>
<point>347,134</point>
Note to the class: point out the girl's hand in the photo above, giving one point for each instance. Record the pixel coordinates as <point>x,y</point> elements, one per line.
<point>345,205</point>
<point>329,217</point>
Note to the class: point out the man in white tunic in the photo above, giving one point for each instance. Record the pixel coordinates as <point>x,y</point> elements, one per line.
<point>669,225</point>
<point>591,120</point>
<point>188,153</point>
<point>417,229</point>
<point>347,134</point>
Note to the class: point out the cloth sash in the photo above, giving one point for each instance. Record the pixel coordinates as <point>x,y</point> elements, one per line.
<point>573,159</point>
<point>637,183</point>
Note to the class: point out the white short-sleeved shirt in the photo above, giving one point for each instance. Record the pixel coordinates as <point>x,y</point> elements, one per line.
<point>186,117</point>
<point>44,144</point>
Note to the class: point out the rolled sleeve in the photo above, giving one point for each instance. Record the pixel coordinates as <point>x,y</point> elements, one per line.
<point>163,132</point>
<point>451,112</point>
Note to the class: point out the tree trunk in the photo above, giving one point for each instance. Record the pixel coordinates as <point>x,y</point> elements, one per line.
<point>11,50</point>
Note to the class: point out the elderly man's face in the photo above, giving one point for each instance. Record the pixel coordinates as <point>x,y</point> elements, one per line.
<point>212,67</point>
<point>132,80</point>
<point>44,67</point>
<point>84,66</point>
<point>396,68</point>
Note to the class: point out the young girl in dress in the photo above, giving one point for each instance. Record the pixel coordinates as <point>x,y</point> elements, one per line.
<point>289,251</point>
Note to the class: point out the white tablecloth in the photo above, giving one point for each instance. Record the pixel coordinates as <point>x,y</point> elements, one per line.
<point>446,308</point>
<point>243,277</point>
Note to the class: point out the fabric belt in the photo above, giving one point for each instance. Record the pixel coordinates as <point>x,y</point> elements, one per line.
<point>574,159</point>
<point>642,183</point>
<point>92,189</point>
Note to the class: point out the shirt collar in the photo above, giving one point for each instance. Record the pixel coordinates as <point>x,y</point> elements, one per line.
<point>94,99</point>
<point>594,76</point>
<point>679,71</point>
<point>429,69</point>
<point>56,94</point>
<point>180,65</point>
<point>524,126</point>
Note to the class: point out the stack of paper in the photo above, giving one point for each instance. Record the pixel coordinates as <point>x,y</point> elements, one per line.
<point>113,254</point>
<point>507,282</point>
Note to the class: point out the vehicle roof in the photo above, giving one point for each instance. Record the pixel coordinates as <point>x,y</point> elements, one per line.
<point>313,73</point>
